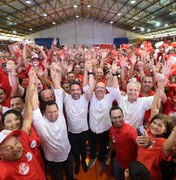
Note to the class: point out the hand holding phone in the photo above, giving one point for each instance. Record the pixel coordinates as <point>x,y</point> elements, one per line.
<point>141,131</point>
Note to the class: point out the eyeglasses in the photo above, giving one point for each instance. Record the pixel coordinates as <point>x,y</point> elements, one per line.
<point>117,117</point>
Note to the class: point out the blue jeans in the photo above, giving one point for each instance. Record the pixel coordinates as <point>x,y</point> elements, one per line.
<point>118,171</point>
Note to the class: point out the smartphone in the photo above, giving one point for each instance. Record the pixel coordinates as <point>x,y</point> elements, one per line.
<point>140,130</point>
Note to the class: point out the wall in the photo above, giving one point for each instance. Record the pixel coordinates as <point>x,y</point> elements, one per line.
<point>84,31</point>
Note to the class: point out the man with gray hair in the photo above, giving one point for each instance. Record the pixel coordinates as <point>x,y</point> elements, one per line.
<point>134,107</point>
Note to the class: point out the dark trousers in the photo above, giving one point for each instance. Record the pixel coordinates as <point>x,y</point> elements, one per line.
<point>57,167</point>
<point>103,140</point>
<point>78,145</point>
<point>118,171</point>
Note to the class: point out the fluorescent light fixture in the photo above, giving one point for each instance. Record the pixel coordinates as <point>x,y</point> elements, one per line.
<point>44,14</point>
<point>28,2</point>
<point>88,5</point>
<point>158,24</point>
<point>30,29</point>
<point>166,25</point>
<point>75,6</point>
<point>134,28</point>
<point>111,22</point>
<point>53,22</point>
<point>119,14</point>
<point>132,2</point>
<point>142,29</point>
<point>77,16</point>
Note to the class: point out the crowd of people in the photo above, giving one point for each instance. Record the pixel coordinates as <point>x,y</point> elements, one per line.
<point>57,102</point>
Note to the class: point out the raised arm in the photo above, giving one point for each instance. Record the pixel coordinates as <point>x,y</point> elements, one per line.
<point>13,78</point>
<point>24,56</point>
<point>170,143</point>
<point>156,104</point>
<point>32,87</point>
<point>88,74</point>
<point>56,75</point>
<point>88,78</point>
<point>114,70</point>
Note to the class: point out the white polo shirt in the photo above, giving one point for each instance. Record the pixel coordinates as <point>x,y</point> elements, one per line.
<point>53,135</point>
<point>99,119</point>
<point>76,111</point>
<point>134,112</point>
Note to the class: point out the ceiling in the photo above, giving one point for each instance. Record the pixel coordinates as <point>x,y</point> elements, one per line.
<point>144,16</point>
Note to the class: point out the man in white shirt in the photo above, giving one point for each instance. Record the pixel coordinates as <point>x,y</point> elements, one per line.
<point>99,120</point>
<point>134,108</point>
<point>52,129</point>
<point>76,107</point>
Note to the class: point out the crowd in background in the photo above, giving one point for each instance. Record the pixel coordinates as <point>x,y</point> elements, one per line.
<point>53,101</point>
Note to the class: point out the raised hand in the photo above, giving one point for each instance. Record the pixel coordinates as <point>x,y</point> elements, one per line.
<point>133,59</point>
<point>123,62</point>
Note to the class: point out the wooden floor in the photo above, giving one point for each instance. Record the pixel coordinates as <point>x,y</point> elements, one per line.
<point>94,173</point>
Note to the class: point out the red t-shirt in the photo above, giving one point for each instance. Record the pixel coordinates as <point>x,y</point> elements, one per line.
<point>168,107</point>
<point>27,167</point>
<point>6,102</point>
<point>147,113</point>
<point>152,156</point>
<point>34,143</point>
<point>4,81</point>
<point>124,144</point>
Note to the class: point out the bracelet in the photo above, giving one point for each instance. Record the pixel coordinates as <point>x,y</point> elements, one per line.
<point>90,73</point>
<point>116,74</point>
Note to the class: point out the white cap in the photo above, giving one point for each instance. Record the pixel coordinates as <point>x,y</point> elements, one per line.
<point>4,134</point>
<point>7,133</point>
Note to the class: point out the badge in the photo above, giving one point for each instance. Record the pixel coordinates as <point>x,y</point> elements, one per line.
<point>29,156</point>
<point>23,168</point>
<point>33,144</point>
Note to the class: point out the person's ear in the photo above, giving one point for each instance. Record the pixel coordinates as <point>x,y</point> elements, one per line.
<point>126,174</point>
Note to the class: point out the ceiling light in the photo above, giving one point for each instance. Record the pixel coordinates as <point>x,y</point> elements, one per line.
<point>30,29</point>
<point>111,22</point>
<point>134,28</point>
<point>28,2</point>
<point>88,5</point>
<point>132,2</point>
<point>142,29</point>
<point>158,24</point>
<point>148,30</point>
<point>14,32</point>
<point>166,25</point>
<point>119,14</point>
<point>77,16</point>
<point>172,12</point>
<point>54,22</point>
<point>44,14</point>
<point>75,6</point>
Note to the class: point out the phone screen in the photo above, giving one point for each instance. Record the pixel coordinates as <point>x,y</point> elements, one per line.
<point>140,131</point>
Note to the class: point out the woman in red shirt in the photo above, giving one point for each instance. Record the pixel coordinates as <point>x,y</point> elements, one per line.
<point>153,147</point>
